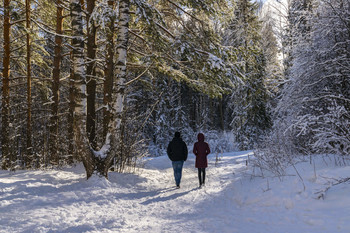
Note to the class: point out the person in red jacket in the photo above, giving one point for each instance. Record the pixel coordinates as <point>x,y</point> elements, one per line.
<point>201,150</point>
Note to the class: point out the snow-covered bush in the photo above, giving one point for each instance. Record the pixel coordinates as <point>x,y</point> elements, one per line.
<point>312,115</point>
<point>275,152</point>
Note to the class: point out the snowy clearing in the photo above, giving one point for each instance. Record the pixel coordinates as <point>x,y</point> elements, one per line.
<point>147,201</point>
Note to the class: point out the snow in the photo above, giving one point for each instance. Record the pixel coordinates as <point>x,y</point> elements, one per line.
<point>215,62</point>
<point>102,153</point>
<point>235,199</point>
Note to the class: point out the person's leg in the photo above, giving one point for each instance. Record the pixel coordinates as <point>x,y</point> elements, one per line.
<point>200,176</point>
<point>177,166</point>
<point>180,165</point>
<point>203,176</point>
<point>175,172</point>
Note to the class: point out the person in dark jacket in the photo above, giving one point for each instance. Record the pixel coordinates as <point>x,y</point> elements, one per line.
<point>177,152</point>
<point>201,150</point>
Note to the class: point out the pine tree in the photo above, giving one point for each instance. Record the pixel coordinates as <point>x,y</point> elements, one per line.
<point>54,121</point>
<point>91,48</point>
<point>7,159</point>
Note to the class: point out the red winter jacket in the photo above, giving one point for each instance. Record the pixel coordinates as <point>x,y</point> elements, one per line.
<point>201,150</point>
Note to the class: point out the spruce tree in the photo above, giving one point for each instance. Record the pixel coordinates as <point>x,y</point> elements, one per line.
<point>250,116</point>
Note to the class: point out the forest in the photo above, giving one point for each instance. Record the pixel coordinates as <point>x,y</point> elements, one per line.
<point>105,82</point>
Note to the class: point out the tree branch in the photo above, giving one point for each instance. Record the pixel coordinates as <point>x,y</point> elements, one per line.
<point>139,76</point>
<point>180,8</point>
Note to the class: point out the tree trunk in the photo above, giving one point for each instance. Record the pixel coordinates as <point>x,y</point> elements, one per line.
<point>55,85</point>
<point>98,162</point>
<point>221,109</point>
<point>119,91</point>
<point>109,71</point>
<point>91,75</point>
<point>71,150</point>
<point>29,158</point>
<point>113,141</point>
<point>5,140</point>
<point>81,140</point>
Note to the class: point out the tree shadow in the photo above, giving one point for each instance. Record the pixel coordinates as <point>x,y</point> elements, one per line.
<point>126,180</point>
<point>167,198</point>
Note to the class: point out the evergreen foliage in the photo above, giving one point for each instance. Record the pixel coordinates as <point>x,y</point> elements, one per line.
<point>191,66</point>
<point>250,116</point>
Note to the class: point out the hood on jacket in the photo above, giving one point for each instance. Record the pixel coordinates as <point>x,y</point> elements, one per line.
<point>200,137</point>
<point>177,135</point>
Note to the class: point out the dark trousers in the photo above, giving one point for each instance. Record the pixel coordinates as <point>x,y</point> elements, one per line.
<point>201,175</point>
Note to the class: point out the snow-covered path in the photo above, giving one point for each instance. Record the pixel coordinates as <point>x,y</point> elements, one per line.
<point>147,201</point>
<point>162,208</point>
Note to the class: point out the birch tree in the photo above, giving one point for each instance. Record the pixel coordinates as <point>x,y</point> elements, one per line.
<point>98,161</point>
<point>114,134</point>
<point>79,77</point>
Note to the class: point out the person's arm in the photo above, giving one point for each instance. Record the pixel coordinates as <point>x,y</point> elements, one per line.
<point>208,149</point>
<point>169,151</point>
<point>185,151</point>
<point>195,151</point>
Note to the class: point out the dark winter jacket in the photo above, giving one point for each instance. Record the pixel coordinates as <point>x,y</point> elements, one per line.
<point>201,150</point>
<point>177,150</point>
